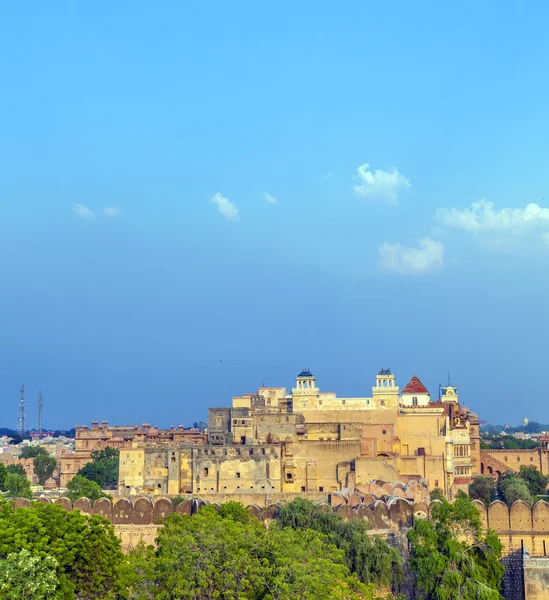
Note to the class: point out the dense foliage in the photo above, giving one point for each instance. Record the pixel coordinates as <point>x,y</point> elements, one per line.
<point>13,483</point>
<point>81,487</point>
<point>26,576</point>
<point>451,559</point>
<point>83,551</point>
<point>44,466</point>
<point>483,488</point>
<point>536,482</point>
<point>371,559</point>
<point>16,470</point>
<point>527,485</point>
<point>17,486</point>
<point>506,442</point>
<point>32,451</point>
<point>103,468</point>
<point>230,554</point>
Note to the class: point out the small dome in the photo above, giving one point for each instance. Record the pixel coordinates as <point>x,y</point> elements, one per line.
<point>50,484</point>
<point>305,373</point>
<point>385,372</point>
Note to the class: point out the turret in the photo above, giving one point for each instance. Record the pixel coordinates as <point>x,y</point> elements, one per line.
<point>305,392</point>
<point>385,392</point>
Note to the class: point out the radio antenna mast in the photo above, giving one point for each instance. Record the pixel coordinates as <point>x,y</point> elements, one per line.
<point>39,419</point>
<point>22,417</point>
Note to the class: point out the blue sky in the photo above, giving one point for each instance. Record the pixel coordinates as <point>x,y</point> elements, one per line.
<point>199,197</point>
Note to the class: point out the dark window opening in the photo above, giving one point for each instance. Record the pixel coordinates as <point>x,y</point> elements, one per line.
<point>320,489</point>
<point>238,475</point>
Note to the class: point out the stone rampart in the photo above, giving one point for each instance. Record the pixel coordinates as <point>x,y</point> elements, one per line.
<point>386,510</point>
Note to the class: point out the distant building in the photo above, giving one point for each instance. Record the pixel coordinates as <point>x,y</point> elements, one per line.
<point>494,463</point>
<point>103,435</point>
<point>313,441</point>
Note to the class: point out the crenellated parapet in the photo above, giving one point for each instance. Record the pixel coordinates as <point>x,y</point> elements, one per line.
<point>519,526</point>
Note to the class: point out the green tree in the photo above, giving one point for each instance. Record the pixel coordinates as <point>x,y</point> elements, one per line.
<point>80,487</point>
<point>24,576</point>
<point>483,488</point>
<point>33,451</point>
<point>138,574</point>
<point>536,482</point>
<point>16,470</point>
<point>3,474</point>
<point>227,555</point>
<point>371,559</point>
<point>446,567</point>
<point>17,486</point>
<point>86,549</point>
<point>436,494</point>
<point>509,443</point>
<point>103,468</point>
<point>512,488</point>
<point>44,466</point>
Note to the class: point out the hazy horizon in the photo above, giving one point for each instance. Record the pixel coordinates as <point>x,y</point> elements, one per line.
<point>199,199</point>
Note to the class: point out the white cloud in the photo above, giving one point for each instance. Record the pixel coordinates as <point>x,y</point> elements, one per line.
<point>378,184</point>
<point>270,199</point>
<point>225,207</point>
<point>112,211</point>
<point>328,176</point>
<point>481,217</point>
<point>427,256</point>
<point>82,211</point>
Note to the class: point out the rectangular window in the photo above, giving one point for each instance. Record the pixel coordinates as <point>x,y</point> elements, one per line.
<point>251,451</point>
<point>288,475</point>
<point>302,488</point>
<point>206,471</point>
<point>320,489</point>
<point>238,475</point>
<point>384,431</point>
<point>436,482</point>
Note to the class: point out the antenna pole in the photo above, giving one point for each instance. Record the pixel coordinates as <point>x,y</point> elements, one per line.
<point>22,417</point>
<point>39,419</point>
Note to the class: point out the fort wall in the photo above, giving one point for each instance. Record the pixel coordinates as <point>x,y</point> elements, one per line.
<point>518,527</point>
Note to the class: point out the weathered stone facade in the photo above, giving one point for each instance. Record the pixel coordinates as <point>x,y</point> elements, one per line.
<point>494,463</point>
<point>313,441</point>
<point>103,435</point>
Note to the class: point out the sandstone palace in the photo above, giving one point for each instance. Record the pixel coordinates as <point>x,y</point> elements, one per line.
<point>308,441</point>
